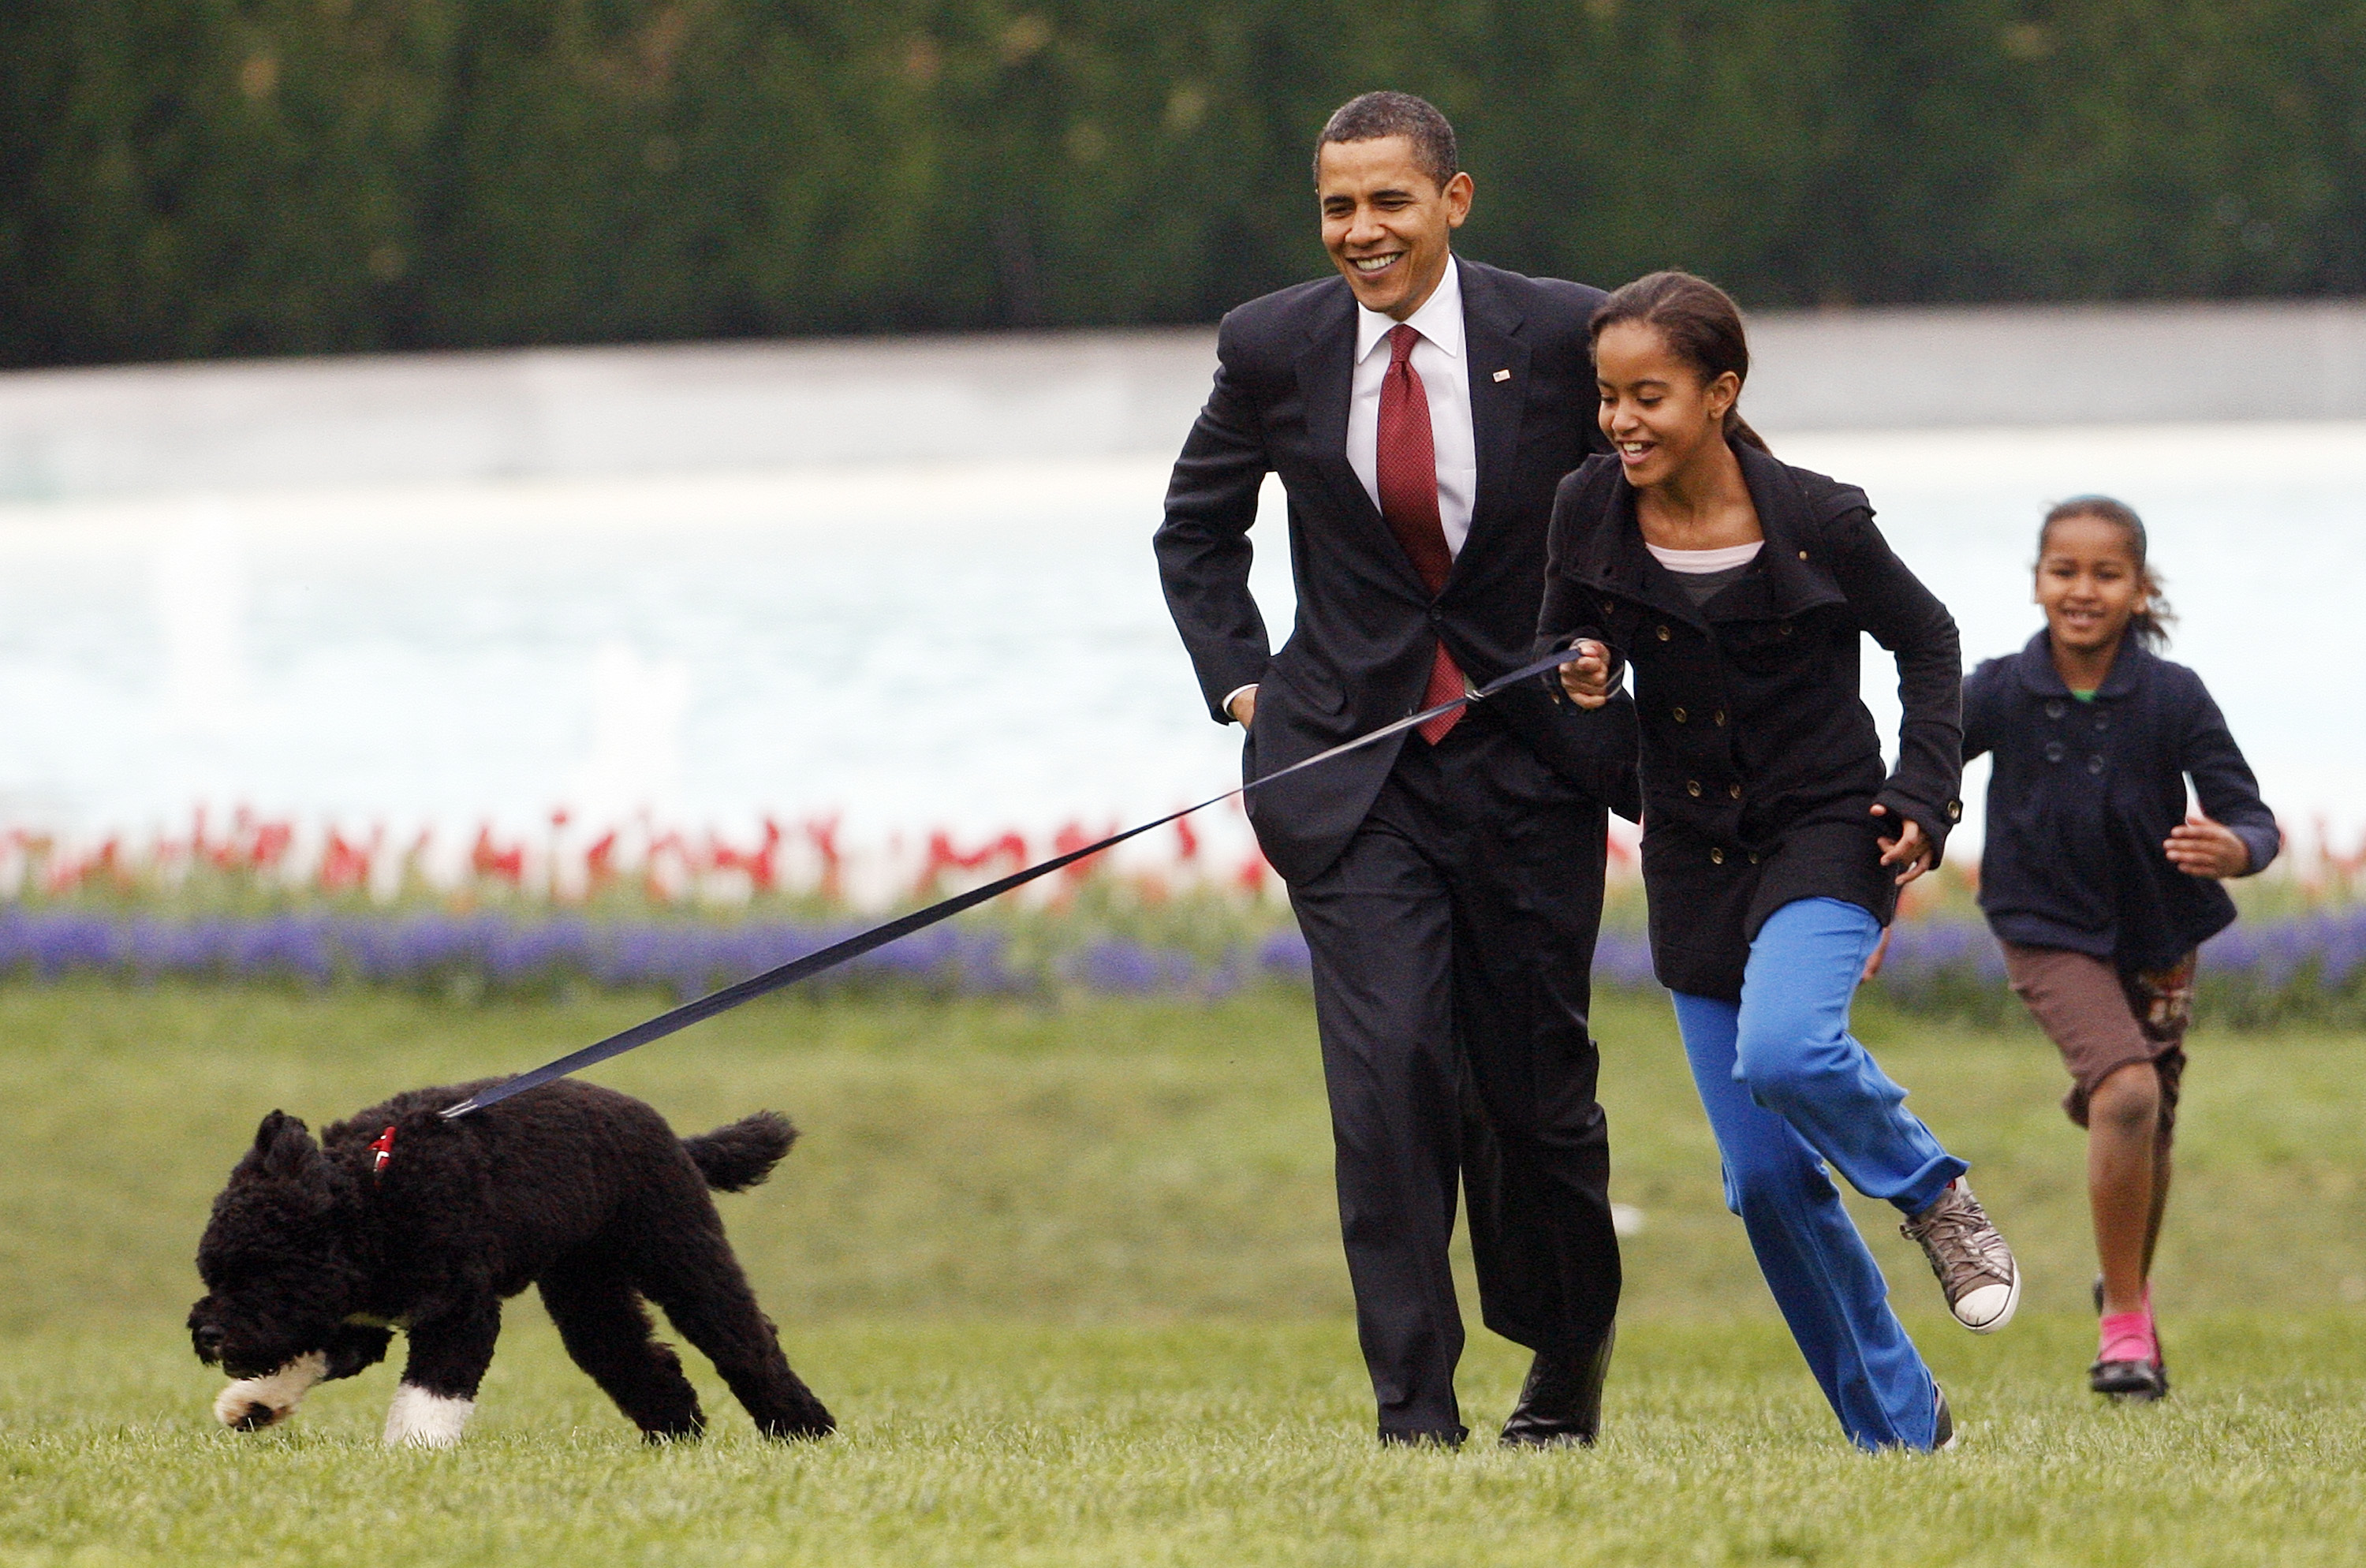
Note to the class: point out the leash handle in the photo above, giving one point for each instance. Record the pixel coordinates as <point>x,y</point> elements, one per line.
<point>855,946</point>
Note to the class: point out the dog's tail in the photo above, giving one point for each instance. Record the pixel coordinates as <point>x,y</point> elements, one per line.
<point>737,1157</point>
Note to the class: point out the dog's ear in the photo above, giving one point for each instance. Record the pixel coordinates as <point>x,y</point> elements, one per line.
<point>267,1133</point>
<point>288,1149</point>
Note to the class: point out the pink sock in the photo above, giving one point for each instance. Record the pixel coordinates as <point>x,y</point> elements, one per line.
<point>2127,1336</point>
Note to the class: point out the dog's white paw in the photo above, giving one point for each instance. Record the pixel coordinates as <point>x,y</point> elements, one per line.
<point>422,1420</point>
<point>252,1403</point>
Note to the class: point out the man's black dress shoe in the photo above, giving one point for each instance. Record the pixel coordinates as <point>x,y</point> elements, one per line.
<point>1399,1438</point>
<point>1560,1402</point>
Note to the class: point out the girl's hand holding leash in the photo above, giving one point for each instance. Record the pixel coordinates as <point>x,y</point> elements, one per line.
<point>2202,848</point>
<point>1586,678</point>
<point>1909,848</point>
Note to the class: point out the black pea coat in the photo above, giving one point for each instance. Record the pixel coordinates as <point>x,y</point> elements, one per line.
<point>1760,764</point>
<point>2083,795</point>
<point>1360,653</point>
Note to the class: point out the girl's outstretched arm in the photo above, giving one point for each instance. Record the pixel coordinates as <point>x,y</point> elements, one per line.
<point>2229,792</point>
<point>1979,699</point>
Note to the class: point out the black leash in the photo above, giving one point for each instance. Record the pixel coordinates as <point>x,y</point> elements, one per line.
<point>879,936</point>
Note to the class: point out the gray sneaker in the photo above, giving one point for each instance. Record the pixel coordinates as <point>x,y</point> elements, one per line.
<point>1975,1269</point>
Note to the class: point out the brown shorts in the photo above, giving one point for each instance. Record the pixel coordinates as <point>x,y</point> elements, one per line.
<point>2102,1020</point>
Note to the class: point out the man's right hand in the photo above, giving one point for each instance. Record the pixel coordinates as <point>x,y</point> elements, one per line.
<point>1586,677</point>
<point>1243,705</point>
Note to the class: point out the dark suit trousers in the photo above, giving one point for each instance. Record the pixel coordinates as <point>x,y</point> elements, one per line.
<point>1453,943</point>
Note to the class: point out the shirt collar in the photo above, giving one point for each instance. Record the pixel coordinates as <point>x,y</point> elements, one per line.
<point>2036,664</point>
<point>1439,319</point>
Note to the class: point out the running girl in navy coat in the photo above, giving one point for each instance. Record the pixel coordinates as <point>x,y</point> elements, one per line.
<point>1774,837</point>
<point>2100,885</point>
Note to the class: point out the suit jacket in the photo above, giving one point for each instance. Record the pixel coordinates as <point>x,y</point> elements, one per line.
<point>1360,653</point>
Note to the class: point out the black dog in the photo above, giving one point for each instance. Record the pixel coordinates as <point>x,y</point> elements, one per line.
<point>401,1219</point>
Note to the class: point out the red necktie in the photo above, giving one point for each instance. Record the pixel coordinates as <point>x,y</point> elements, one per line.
<point>1406,459</point>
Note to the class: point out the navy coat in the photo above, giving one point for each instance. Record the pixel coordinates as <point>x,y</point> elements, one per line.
<point>1760,764</point>
<point>2084,796</point>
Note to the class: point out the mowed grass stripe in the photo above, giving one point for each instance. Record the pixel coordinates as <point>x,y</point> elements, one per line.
<point>1207,1443</point>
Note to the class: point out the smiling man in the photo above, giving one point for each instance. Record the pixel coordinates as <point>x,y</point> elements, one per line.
<point>1420,410</point>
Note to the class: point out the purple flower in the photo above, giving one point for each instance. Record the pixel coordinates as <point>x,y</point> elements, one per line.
<point>2311,967</point>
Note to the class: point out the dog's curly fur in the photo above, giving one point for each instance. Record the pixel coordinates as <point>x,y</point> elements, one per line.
<point>313,1258</point>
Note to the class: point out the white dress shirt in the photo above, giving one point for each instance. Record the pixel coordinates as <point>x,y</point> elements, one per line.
<point>1445,375</point>
<point>1445,371</point>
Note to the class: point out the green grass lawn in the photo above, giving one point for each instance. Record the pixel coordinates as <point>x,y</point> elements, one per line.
<point>1070,1276</point>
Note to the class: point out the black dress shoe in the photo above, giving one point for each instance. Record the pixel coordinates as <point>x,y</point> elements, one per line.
<point>1410,1438</point>
<point>1561,1403</point>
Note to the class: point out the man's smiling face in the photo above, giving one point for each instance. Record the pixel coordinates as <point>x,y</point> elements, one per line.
<point>1386,221</point>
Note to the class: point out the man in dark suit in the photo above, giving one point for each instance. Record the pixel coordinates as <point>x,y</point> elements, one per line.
<point>1420,410</point>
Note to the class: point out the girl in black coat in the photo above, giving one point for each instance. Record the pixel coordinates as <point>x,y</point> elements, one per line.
<point>1774,841</point>
<point>2098,882</point>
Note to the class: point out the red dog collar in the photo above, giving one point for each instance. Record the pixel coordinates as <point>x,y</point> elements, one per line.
<point>384,1150</point>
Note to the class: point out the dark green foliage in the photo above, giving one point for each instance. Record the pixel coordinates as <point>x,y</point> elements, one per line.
<point>188,178</point>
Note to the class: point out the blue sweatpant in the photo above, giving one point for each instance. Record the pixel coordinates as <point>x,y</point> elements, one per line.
<point>1788,1090</point>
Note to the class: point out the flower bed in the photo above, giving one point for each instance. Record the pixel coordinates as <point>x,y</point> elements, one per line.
<point>243,899</point>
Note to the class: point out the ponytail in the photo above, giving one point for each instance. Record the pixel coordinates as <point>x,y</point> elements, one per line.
<point>1738,429</point>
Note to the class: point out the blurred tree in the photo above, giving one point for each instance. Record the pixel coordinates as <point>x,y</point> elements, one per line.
<point>188,177</point>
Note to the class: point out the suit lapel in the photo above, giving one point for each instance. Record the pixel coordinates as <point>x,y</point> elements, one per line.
<point>1490,343</point>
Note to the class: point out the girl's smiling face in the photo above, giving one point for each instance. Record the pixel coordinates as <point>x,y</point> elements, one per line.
<point>2088,583</point>
<point>1657,408</point>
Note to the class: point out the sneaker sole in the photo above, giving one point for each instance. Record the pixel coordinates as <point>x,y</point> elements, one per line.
<point>2011,1305</point>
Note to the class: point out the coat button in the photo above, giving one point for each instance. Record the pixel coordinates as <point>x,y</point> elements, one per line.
<point>1718,717</point>
<point>2055,708</point>
<point>1716,857</point>
<point>1692,787</point>
<point>1954,811</point>
<point>1754,857</point>
<point>1677,713</point>
<point>1734,790</point>
<point>1663,634</point>
<point>1786,629</point>
<point>2095,763</point>
<point>2055,751</point>
<point>1803,555</point>
<point>1606,606</point>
